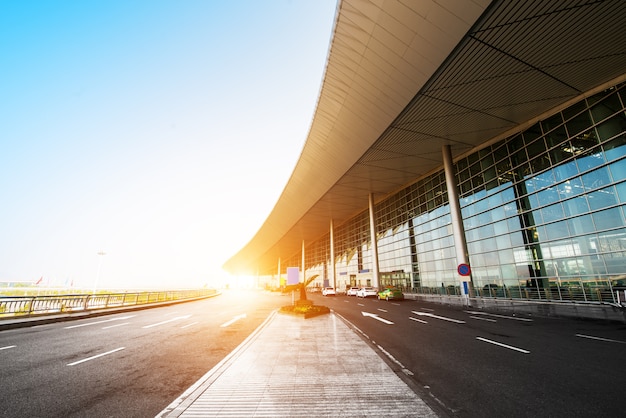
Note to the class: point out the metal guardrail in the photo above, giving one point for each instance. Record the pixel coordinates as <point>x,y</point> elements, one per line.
<point>557,294</point>
<point>20,306</point>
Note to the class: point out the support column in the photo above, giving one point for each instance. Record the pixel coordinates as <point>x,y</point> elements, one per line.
<point>458,230</point>
<point>375,280</point>
<point>332,256</point>
<point>279,281</point>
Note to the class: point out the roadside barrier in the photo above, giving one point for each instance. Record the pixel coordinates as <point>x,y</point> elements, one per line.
<point>28,306</point>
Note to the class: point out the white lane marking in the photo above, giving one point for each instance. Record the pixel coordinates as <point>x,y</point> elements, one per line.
<point>499,316</point>
<point>360,304</point>
<point>7,347</point>
<point>600,339</point>
<point>232,321</point>
<point>373,315</point>
<point>396,304</point>
<point>510,347</point>
<point>392,358</point>
<point>483,319</point>
<point>382,310</point>
<point>456,321</point>
<point>427,309</point>
<point>99,322</point>
<point>417,320</point>
<point>188,325</point>
<point>116,325</point>
<point>165,322</point>
<point>95,357</point>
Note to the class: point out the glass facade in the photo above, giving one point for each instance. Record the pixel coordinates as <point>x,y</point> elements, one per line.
<point>544,213</point>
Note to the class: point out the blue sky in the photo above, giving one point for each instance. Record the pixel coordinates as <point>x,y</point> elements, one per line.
<point>159,132</point>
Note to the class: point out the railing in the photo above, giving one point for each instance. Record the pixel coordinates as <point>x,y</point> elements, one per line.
<point>581,293</point>
<point>15,306</point>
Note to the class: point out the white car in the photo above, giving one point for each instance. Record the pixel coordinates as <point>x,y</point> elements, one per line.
<point>328,291</point>
<point>366,292</point>
<point>352,291</point>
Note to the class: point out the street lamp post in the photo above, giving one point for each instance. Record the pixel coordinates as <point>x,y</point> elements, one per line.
<point>100,254</point>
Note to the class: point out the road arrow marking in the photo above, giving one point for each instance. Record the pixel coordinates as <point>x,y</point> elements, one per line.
<point>372,315</point>
<point>232,321</point>
<point>169,320</point>
<point>456,321</point>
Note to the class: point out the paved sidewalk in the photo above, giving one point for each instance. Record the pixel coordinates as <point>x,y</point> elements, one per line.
<point>292,367</point>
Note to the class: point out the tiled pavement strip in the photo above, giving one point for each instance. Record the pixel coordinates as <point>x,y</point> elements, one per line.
<point>294,367</point>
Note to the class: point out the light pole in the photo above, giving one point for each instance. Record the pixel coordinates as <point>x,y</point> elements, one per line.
<point>100,254</point>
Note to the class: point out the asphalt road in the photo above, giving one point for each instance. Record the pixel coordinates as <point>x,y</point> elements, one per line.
<point>481,364</point>
<point>130,364</point>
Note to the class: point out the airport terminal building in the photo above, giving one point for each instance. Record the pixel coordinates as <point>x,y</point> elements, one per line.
<point>470,149</point>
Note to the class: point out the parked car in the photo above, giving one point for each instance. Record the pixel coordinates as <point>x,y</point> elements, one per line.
<point>391,293</point>
<point>328,291</point>
<point>366,292</point>
<point>352,291</point>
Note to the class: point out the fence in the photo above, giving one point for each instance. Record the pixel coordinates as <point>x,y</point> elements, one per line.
<point>579,293</point>
<point>15,306</point>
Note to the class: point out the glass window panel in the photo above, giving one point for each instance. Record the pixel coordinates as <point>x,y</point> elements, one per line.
<point>540,163</point>
<point>509,272</point>
<point>570,188</point>
<point>602,198</point>
<point>557,230</point>
<point>592,159</point>
<point>518,156</point>
<point>616,147</point>
<point>618,170</point>
<point>576,206</point>
<point>514,224</point>
<point>486,161</point>
<point>581,225</point>
<point>575,109</point>
<point>596,178</point>
<point>611,127</point>
<point>607,107</point>
<point>552,122</point>
<point>517,239</point>
<point>536,148</point>
<point>545,179</point>
<point>556,137</point>
<point>548,196</point>
<point>486,231</point>
<point>565,171</point>
<point>532,133</point>
<point>579,124</point>
<point>503,241</point>
<point>552,213</point>
<point>621,191</point>
<point>500,227</point>
<point>606,219</point>
<point>560,153</point>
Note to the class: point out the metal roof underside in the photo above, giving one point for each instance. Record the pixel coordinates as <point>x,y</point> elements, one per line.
<point>404,78</point>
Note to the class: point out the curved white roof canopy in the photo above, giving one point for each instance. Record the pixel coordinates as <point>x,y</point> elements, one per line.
<point>405,78</point>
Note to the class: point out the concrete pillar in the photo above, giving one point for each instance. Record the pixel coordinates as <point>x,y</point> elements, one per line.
<point>373,239</point>
<point>303,278</point>
<point>333,282</point>
<point>457,220</point>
